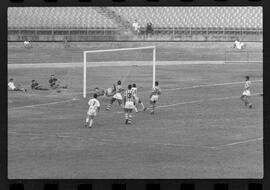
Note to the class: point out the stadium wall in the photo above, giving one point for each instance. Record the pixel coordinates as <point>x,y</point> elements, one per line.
<point>114,34</point>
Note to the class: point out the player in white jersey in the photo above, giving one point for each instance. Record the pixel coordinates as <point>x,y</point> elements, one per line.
<point>117,96</point>
<point>129,101</point>
<point>246,93</point>
<point>156,92</point>
<point>137,99</point>
<point>94,106</point>
<point>12,87</point>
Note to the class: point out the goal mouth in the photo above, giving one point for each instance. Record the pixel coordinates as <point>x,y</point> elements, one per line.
<point>122,51</point>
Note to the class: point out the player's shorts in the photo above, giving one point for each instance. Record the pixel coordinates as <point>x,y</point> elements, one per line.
<point>92,112</point>
<point>129,105</point>
<point>118,96</point>
<point>246,93</point>
<point>154,98</point>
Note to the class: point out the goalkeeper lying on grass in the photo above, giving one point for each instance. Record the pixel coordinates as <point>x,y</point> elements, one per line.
<point>55,83</point>
<point>36,86</point>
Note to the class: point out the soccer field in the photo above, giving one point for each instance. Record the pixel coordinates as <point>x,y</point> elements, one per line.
<point>201,129</point>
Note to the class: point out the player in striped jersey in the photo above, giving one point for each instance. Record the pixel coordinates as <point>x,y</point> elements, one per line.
<point>117,96</point>
<point>129,101</point>
<point>137,99</point>
<point>154,97</point>
<point>94,106</point>
<point>246,93</point>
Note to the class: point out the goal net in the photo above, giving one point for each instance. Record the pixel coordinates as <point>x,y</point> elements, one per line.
<point>105,67</point>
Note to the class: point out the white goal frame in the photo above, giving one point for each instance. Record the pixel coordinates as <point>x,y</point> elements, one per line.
<point>115,50</point>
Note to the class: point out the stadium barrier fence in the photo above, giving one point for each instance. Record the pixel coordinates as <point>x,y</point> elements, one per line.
<point>107,34</point>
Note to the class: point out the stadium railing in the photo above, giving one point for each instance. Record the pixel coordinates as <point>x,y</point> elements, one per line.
<point>174,34</point>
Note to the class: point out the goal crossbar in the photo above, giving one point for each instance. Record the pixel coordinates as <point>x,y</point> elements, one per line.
<point>114,50</point>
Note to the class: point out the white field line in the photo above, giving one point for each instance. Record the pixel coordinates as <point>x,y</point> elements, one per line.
<point>239,142</point>
<point>139,142</point>
<point>164,90</point>
<point>108,64</point>
<point>44,104</point>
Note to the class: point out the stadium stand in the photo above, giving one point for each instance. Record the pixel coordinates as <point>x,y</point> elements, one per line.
<point>57,17</point>
<point>176,17</point>
<point>88,23</point>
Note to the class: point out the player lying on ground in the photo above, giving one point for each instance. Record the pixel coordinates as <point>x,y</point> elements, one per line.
<point>55,83</point>
<point>129,104</point>
<point>156,92</point>
<point>94,106</point>
<point>106,92</point>
<point>12,87</point>
<point>117,96</point>
<point>246,93</point>
<point>36,86</point>
<point>137,99</point>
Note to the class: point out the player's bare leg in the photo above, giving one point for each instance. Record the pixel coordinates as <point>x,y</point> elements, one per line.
<point>110,104</point>
<point>248,102</point>
<point>86,121</point>
<point>243,98</point>
<point>120,103</point>
<point>91,121</point>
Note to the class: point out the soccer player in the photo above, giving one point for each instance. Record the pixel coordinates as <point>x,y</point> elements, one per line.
<point>246,93</point>
<point>105,92</point>
<point>154,97</point>
<point>129,100</point>
<point>137,99</point>
<point>94,106</point>
<point>12,87</point>
<point>36,86</point>
<point>55,83</point>
<point>117,96</point>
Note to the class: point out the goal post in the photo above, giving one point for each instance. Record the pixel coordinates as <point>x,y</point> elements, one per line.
<point>85,53</point>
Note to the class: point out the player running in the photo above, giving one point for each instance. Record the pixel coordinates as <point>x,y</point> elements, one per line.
<point>137,99</point>
<point>156,92</point>
<point>246,93</point>
<point>117,96</point>
<point>94,106</point>
<point>129,101</point>
<point>12,87</point>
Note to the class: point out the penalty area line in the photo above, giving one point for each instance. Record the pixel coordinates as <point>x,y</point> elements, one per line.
<point>44,104</point>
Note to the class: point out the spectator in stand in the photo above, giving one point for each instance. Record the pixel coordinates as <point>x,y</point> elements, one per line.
<point>136,26</point>
<point>27,44</point>
<point>149,29</point>
<point>12,87</point>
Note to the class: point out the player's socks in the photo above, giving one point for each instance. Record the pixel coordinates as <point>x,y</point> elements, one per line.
<point>136,109</point>
<point>126,117</point>
<point>87,120</point>
<point>109,107</point>
<point>91,123</point>
<point>129,118</point>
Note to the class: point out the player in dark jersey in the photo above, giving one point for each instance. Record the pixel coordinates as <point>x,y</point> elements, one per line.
<point>55,83</point>
<point>36,86</point>
<point>154,97</point>
<point>117,96</point>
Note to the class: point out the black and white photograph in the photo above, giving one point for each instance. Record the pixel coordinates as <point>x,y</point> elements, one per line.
<point>135,92</point>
